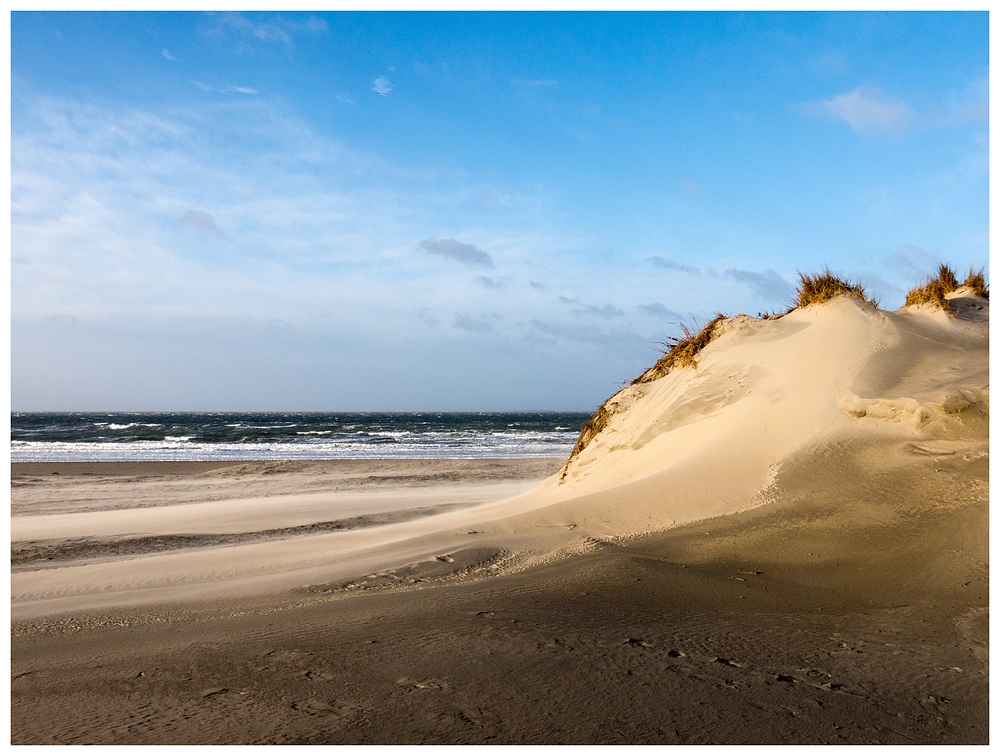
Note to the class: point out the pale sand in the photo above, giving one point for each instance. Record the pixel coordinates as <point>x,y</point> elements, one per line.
<point>787,544</point>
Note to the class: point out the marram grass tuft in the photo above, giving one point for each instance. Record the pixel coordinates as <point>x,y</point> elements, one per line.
<point>935,291</point>
<point>682,351</point>
<point>824,287</point>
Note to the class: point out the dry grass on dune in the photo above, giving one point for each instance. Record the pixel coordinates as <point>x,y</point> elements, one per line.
<point>682,351</point>
<point>593,426</point>
<point>824,287</point>
<point>976,280</point>
<point>935,290</point>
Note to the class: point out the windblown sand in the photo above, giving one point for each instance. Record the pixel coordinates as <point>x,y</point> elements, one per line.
<point>787,544</point>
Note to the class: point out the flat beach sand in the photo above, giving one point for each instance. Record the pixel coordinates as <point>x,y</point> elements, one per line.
<point>755,628</point>
<point>788,544</point>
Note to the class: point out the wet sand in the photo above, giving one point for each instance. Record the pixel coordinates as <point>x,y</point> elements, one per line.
<point>848,609</point>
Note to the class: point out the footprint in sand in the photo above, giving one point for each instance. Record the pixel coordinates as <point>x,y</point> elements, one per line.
<point>408,684</point>
<point>638,643</point>
<point>318,676</point>
<point>727,662</point>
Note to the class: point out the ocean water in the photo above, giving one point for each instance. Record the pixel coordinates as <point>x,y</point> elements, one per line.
<point>130,436</point>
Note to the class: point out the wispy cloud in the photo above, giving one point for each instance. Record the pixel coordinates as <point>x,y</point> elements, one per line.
<point>481,324</point>
<point>912,260</point>
<point>659,310</point>
<point>587,333</point>
<point>277,29</point>
<point>382,86</point>
<point>200,221</point>
<point>868,111</point>
<point>661,262</point>
<point>603,311</point>
<point>490,283</point>
<point>168,56</point>
<point>228,89</point>
<point>458,251</point>
<point>769,284</point>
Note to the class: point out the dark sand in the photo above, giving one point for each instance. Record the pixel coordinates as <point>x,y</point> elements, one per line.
<point>858,616</point>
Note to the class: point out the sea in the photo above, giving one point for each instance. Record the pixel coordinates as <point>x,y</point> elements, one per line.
<point>239,436</point>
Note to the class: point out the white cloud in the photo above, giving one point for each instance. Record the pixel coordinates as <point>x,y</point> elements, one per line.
<point>867,111</point>
<point>168,56</point>
<point>382,86</point>
<point>228,89</point>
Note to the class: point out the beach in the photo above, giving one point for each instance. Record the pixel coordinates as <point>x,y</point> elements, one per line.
<point>719,632</point>
<point>786,542</point>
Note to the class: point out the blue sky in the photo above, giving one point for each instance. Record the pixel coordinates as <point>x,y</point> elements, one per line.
<point>461,211</point>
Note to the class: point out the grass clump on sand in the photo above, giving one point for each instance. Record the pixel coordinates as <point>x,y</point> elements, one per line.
<point>595,425</point>
<point>976,280</point>
<point>935,290</point>
<point>682,351</point>
<point>824,287</point>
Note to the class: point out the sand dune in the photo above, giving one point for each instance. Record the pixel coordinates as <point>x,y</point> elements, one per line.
<point>706,442</point>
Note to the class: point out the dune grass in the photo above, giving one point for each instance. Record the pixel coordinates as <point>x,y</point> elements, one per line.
<point>934,291</point>
<point>824,287</point>
<point>976,280</point>
<point>595,425</point>
<point>682,351</point>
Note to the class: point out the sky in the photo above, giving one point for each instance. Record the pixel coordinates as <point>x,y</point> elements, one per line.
<point>461,211</point>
